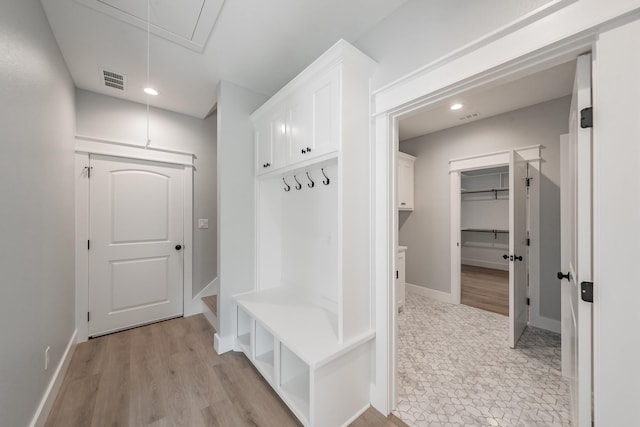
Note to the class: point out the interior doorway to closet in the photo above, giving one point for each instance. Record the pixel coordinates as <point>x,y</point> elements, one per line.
<point>484,239</point>
<point>473,279</point>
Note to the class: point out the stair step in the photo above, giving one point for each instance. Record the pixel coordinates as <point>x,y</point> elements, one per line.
<point>212,303</point>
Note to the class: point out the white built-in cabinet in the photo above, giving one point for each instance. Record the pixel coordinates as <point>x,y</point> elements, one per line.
<point>307,325</point>
<point>406,164</point>
<point>303,127</point>
<point>401,276</point>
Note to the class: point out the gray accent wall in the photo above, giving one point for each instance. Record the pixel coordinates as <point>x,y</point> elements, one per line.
<point>426,230</point>
<point>113,119</point>
<point>37,254</point>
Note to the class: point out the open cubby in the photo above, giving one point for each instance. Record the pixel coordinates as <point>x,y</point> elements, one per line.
<point>264,351</point>
<point>244,326</point>
<point>294,381</point>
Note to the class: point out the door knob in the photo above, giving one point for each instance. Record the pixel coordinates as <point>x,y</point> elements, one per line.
<point>505,256</point>
<point>518,258</point>
<point>178,247</point>
<point>564,276</point>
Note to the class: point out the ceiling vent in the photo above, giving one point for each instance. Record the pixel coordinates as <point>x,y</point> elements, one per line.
<point>113,80</point>
<point>470,116</point>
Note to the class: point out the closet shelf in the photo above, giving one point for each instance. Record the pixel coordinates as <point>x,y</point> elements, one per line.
<point>486,230</point>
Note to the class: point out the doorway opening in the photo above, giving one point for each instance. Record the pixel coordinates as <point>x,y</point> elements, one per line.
<point>509,121</point>
<point>484,239</point>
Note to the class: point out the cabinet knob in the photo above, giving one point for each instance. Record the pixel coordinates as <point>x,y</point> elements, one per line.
<point>308,149</point>
<point>303,151</point>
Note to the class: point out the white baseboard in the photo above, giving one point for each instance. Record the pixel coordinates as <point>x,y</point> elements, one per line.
<point>486,264</point>
<point>40,417</point>
<point>429,293</point>
<point>195,305</point>
<point>212,318</point>
<point>222,344</point>
<point>546,323</point>
<point>357,415</point>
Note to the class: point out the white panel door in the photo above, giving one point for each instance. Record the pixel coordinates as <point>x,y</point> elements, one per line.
<point>576,260</point>
<point>136,230</point>
<point>518,308</point>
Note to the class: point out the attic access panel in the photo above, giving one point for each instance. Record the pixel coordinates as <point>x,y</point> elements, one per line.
<point>186,22</point>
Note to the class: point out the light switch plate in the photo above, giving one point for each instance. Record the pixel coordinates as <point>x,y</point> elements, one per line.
<point>203,223</point>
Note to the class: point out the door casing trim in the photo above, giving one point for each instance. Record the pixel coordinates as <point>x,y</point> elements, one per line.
<point>86,146</point>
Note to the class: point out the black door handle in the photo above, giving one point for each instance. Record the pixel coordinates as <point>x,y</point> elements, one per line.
<point>505,256</point>
<point>518,258</point>
<point>564,276</point>
<point>178,247</point>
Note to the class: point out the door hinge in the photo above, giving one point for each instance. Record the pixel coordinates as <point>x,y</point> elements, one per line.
<point>528,301</point>
<point>586,291</point>
<point>528,181</point>
<point>88,244</point>
<point>397,275</point>
<point>88,169</point>
<point>586,117</point>
<point>528,242</point>
<point>88,316</point>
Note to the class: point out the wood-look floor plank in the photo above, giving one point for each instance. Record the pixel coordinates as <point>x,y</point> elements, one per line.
<point>485,288</point>
<point>167,374</point>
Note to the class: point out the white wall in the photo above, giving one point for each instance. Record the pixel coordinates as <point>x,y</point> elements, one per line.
<point>422,31</point>
<point>37,226</point>
<point>426,230</point>
<point>617,235</point>
<point>236,202</point>
<point>108,118</point>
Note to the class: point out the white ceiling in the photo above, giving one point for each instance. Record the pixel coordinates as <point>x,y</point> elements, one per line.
<point>481,103</point>
<point>257,44</point>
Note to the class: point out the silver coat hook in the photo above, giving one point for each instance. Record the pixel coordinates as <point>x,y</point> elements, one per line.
<point>311,183</point>
<point>288,187</point>
<point>298,185</point>
<point>326,179</point>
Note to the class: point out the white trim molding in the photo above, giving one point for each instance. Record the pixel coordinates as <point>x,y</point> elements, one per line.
<point>50,394</point>
<point>87,144</point>
<point>429,293</point>
<point>85,147</point>
<point>518,50</point>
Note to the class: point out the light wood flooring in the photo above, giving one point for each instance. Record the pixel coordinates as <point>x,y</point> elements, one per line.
<point>485,288</point>
<point>167,374</point>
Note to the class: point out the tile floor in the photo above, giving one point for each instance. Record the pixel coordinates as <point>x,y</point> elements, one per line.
<point>456,369</point>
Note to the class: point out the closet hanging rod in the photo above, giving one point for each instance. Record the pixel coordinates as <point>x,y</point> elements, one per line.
<point>488,190</point>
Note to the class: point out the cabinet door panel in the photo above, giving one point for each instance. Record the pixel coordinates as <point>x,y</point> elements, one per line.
<point>264,151</point>
<point>299,127</point>
<point>280,139</point>
<point>325,95</point>
<point>405,184</point>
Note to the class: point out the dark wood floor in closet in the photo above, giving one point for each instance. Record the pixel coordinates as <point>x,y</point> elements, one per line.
<point>485,288</point>
<point>167,374</point>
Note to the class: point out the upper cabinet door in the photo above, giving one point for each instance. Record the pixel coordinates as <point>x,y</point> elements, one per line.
<point>405,181</point>
<point>326,113</point>
<point>264,152</point>
<point>299,127</point>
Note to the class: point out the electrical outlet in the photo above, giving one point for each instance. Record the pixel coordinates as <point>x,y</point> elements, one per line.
<point>46,358</point>
<point>203,223</point>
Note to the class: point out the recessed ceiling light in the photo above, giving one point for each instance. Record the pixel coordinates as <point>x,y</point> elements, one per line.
<point>455,107</point>
<point>150,91</point>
